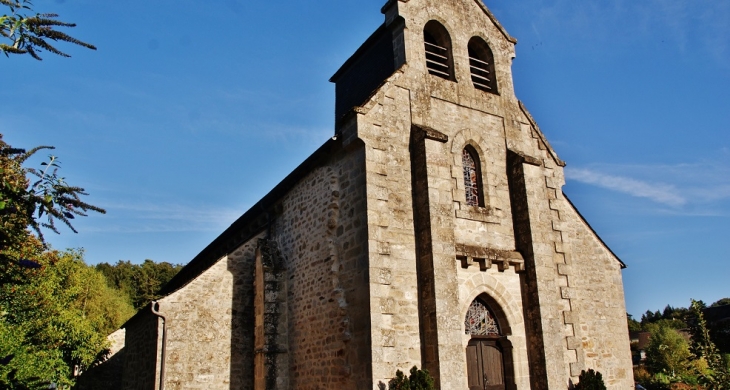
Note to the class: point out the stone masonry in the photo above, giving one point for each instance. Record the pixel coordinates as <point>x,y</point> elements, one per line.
<point>370,256</point>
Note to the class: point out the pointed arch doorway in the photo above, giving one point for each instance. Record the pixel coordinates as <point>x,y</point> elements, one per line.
<point>489,352</point>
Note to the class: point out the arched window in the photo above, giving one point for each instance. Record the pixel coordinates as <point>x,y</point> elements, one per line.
<point>480,321</point>
<point>439,60</point>
<point>481,63</point>
<point>472,177</point>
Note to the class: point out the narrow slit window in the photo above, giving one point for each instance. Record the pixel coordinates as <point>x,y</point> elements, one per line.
<point>437,43</point>
<point>481,65</point>
<point>472,178</point>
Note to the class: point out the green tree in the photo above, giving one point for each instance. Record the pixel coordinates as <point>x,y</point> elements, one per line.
<point>102,305</point>
<point>54,319</point>
<point>633,324</point>
<point>668,352</point>
<point>716,377</point>
<point>30,34</point>
<point>650,317</point>
<point>142,282</point>
<point>721,302</point>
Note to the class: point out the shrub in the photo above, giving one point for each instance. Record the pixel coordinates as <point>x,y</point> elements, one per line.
<point>590,380</point>
<point>400,382</point>
<point>641,375</point>
<point>418,380</point>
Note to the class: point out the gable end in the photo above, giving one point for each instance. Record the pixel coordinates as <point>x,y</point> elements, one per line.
<point>623,265</point>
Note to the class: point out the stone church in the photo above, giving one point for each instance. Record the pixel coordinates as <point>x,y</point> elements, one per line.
<point>431,230</point>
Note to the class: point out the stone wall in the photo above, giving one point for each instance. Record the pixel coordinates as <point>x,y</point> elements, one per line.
<point>524,243</point>
<point>551,287</point>
<point>321,234</point>
<point>394,287</point>
<point>108,374</point>
<point>271,330</point>
<point>210,326</point>
<point>600,300</point>
<point>141,352</point>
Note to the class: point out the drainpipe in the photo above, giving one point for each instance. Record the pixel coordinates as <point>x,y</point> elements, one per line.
<point>155,307</point>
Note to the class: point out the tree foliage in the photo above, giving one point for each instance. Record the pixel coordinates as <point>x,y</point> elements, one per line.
<point>720,334</point>
<point>142,282</point>
<point>632,323</point>
<point>675,317</point>
<point>34,198</point>
<point>30,34</point>
<point>673,362</point>
<point>716,377</point>
<point>418,380</point>
<point>721,302</point>
<point>54,319</point>
<point>55,312</point>
<point>668,352</point>
<point>590,380</point>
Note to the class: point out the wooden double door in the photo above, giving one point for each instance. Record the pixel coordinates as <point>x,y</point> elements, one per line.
<point>485,364</point>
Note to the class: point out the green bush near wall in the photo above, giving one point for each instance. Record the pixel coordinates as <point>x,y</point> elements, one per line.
<point>418,380</point>
<point>590,380</point>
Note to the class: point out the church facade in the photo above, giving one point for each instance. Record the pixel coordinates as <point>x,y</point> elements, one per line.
<point>430,231</point>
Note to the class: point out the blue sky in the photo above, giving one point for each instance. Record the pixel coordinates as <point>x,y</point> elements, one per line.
<point>190,111</point>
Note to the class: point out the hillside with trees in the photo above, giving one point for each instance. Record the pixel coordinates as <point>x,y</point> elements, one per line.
<point>56,314</point>
<point>140,282</point>
<point>55,318</point>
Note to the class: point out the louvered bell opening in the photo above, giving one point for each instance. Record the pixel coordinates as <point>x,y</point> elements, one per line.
<point>481,65</point>
<point>480,75</point>
<point>437,58</point>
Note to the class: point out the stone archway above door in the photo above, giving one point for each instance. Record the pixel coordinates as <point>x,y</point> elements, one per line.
<point>489,352</point>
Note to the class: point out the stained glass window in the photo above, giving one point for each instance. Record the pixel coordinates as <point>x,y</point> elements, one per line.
<point>480,321</point>
<point>471,178</point>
